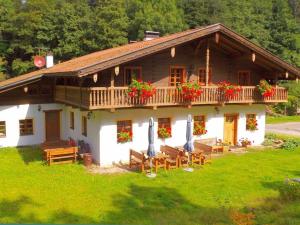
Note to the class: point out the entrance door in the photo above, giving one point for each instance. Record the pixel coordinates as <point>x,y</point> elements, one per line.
<point>230,128</point>
<point>52,120</point>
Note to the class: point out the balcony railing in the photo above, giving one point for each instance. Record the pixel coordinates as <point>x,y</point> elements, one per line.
<point>116,97</point>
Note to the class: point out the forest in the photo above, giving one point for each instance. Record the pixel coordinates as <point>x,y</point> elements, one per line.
<point>71,28</point>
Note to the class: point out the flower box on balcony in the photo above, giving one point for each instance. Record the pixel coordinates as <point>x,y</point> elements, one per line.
<point>265,89</point>
<point>190,91</point>
<point>229,90</point>
<point>140,89</point>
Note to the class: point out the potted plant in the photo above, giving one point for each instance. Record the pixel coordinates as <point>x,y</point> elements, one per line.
<point>199,128</point>
<point>245,142</point>
<point>124,136</point>
<point>164,132</point>
<point>190,90</point>
<point>251,124</point>
<point>265,89</point>
<point>229,90</point>
<point>141,89</point>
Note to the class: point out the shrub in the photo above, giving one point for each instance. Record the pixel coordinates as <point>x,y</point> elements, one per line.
<point>290,191</point>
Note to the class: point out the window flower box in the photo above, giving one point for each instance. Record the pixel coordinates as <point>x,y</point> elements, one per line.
<point>124,136</point>
<point>199,129</point>
<point>251,124</point>
<point>164,132</point>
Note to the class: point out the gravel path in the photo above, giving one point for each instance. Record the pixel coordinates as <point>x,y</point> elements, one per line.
<point>292,128</point>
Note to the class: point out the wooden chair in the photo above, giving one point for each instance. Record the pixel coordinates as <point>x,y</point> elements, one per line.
<point>137,159</point>
<point>172,161</point>
<point>198,157</point>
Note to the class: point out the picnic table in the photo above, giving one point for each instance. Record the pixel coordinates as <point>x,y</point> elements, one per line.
<point>159,160</point>
<point>58,152</point>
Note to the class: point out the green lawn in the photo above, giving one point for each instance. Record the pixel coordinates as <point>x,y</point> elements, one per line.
<point>282,119</point>
<point>32,192</point>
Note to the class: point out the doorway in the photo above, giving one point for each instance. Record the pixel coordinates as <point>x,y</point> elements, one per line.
<point>52,125</point>
<point>230,128</point>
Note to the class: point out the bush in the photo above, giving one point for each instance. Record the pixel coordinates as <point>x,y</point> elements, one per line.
<point>288,143</point>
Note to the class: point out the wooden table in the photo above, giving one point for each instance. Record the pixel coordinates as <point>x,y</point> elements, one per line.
<point>59,152</point>
<point>159,160</point>
<point>196,155</point>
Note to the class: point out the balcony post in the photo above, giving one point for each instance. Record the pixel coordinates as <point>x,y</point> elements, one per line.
<point>112,84</point>
<point>207,64</point>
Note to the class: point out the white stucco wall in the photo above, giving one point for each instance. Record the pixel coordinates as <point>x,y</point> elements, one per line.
<point>12,114</point>
<point>93,130</point>
<point>113,152</point>
<point>102,127</point>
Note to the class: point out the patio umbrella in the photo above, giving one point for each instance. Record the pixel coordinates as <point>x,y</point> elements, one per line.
<point>151,150</point>
<point>189,146</point>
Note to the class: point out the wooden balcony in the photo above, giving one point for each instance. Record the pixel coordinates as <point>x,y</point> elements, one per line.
<point>116,97</point>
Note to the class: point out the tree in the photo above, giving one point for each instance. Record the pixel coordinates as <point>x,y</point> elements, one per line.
<point>163,16</point>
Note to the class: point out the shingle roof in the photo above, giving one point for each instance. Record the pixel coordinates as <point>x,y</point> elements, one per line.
<point>114,56</point>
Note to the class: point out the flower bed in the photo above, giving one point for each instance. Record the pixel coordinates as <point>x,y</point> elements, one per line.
<point>229,90</point>
<point>265,89</point>
<point>199,128</point>
<point>124,136</point>
<point>164,132</point>
<point>190,91</point>
<point>141,89</point>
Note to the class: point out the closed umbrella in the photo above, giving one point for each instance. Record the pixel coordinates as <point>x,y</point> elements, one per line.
<point>151,150</point>
<point>189,146</point>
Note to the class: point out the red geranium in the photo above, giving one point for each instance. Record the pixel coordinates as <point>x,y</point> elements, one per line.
<point>140,89</point>
<point>199,128</point>
<point>265,89</point>
<point>190,91</point>
<point>164,132</point>
<point>124,136</point>
<point>229,90</point>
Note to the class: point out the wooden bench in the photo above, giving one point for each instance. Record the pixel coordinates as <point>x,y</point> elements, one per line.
<point>172,161</point>
<point>61,155</point>
<point>212,143</point>
<point>137,159</point>
<point>207,151</point>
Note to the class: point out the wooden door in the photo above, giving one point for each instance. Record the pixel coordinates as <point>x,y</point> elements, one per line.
<point>52,125</point>
<point>230,128</point>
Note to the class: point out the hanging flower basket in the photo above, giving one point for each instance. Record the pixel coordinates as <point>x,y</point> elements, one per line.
<point>140,89</point>
<point>164,132</point>
<point>124,136</point>
<point>229,90</point>
<point>190,91</point>
<point>199,129</point>
<point>265,89</point>
<point>251,124</point>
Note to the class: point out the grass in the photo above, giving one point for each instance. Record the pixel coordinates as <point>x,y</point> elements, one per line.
<point>233,188</point>
<point>282,119</point>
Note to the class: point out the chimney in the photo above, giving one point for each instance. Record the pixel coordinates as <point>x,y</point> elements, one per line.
<point>149,35</point>
<point>49,60</point>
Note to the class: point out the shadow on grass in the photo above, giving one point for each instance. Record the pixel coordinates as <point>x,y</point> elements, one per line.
<point>30,154</point>
<point>12,211</point>
<point>147,205</point>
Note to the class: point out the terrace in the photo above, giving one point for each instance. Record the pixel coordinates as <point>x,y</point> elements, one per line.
<point>116,97</point>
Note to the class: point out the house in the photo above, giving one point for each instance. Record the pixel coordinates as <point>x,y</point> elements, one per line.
<point>86,98</point>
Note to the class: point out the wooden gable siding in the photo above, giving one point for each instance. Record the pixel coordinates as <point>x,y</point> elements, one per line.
<point>156,68</point>
<point>38,92</point>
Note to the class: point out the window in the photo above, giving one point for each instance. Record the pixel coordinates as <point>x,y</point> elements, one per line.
<point>26,127</point>
<point>251,122</point>
<point>2,129</point>
<point>132,73</point>
<point>202,76</point>
<point>176,75</point>
<point>84,125</point>
<point>199,125</point>
<point>244,78</point>
<point>72,120</point>
<point>124,131</point>
<point>164,128</point>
